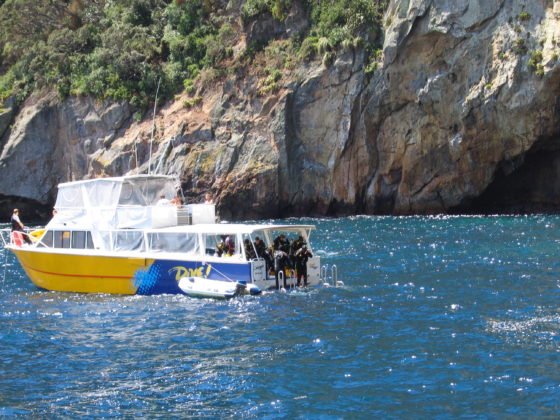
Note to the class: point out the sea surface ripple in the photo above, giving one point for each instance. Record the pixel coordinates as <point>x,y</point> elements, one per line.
<point>439,317</point>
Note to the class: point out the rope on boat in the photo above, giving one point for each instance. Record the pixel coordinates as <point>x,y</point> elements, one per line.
<point>222,274</point>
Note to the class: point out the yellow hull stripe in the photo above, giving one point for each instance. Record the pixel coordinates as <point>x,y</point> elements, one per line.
<point>81,273</point>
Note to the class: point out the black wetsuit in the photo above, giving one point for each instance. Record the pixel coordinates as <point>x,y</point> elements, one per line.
<point>249,251</point>
<point>280,263</point>
<point>302,256</point>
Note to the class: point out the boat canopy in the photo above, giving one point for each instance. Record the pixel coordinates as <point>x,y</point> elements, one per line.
<point>119,202</point>
<point>135,190</point>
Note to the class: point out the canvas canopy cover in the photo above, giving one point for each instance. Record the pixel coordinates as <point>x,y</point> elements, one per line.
<point>119,202</point>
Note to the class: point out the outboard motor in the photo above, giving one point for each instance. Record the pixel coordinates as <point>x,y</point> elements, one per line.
<point>240,287</point>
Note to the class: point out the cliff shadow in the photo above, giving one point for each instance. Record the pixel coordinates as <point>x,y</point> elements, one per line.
<point>530,184</point>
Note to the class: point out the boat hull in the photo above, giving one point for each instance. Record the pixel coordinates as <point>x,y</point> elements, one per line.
<point>119,274</point>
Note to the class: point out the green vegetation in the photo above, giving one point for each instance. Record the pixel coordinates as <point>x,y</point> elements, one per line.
<point>270,84</point>
<point>191,102</point>
<point>108,49</point>
<point>124,49</point>
<point>278,8</point>
<point>524,16</point>
<point>535,63</point>
<point>519,47</point>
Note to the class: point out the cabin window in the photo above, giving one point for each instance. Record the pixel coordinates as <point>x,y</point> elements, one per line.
<point>211,243</point>
<point>65,239</point>
<point>221,244</point>
<point>125,240</point>
<point>46,240</point>
<point>105,239</point>
<point>78,239</point>
<point>62,239</point>
<point>89,240</point>
<point>173,242</point>
<point>57,239</point>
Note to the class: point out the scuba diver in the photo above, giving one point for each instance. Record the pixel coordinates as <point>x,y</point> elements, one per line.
<point>301,256</point>
<point>260,247</point>
<point>226,246</point>
<point>297,244</point>
<point>249,250</point>
<point>280,263</point>
<point>263,252</point>
<point>281,243</point>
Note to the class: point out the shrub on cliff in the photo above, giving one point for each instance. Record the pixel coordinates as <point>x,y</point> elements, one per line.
<point>122,49</point>
<point>118,49</point>
<point>344,19</point>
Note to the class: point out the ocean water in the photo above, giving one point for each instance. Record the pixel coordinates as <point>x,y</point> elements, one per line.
<point>439,317</point>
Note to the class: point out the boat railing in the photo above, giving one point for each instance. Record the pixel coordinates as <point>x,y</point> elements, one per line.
<point>6,236</point>
<point>282,279</point>
<point>33,237</point>
<point>15,238</point>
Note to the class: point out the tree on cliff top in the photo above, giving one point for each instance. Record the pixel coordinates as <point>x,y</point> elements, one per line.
<point>119,49</point>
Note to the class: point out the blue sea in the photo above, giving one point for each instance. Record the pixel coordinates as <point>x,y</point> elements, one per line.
<point>438,317</point>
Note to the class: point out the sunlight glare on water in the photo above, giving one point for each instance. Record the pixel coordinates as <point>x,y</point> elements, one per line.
<point>438,317</point>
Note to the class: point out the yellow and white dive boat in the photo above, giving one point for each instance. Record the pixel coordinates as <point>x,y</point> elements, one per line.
<point>111,235</point>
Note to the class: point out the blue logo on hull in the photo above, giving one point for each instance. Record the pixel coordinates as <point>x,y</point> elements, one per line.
<point>163,276</point>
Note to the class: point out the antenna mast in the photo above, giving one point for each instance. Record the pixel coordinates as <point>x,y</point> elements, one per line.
<point>153,129</point>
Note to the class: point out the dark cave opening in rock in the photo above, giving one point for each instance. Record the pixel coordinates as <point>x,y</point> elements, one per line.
<point>31,212</point>
<point>532,187</point>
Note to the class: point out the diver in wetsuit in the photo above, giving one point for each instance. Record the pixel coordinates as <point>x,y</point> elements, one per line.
<point>281,243</point>
<point>280,264</point>
<point>249,250</point>
<point>263,253</point>
<point>302,255</point>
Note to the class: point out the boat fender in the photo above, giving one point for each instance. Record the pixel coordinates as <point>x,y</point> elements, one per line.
<point>17,238</point>
<point>255,291</point>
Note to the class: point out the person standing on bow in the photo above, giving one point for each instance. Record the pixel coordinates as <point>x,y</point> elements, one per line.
<point>17,226</point>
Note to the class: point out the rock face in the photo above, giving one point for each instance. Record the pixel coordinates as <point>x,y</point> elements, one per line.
<point>461,115</point>
<point>460,104</point>
<point>52,142</point>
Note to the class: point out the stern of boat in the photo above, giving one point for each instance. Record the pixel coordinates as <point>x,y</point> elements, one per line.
<point>314,271</point>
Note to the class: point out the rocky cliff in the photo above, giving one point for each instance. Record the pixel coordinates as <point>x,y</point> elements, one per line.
<point>461,115</point>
